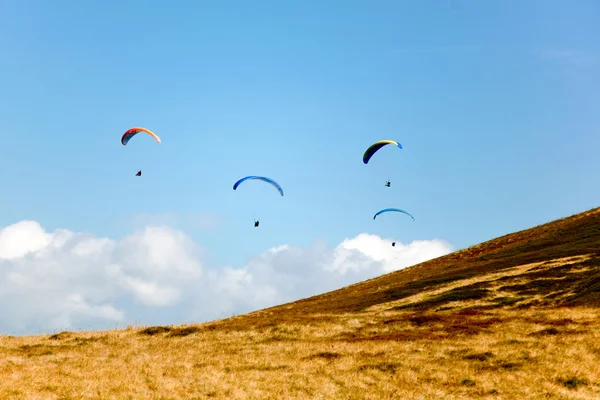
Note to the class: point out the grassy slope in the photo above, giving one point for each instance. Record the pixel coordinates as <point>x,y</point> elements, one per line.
<point>572,236</point>
<point>515,317</point>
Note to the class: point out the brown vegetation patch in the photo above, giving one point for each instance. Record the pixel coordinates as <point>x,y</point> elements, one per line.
<point>471,311</point>
<point>553,331</point>
<point>542,286</point>
<point>488,361</point>
<point>87,340</point>
<point>479,356</point>
<point>422,319</point>
<point>545,332</point>
<point>393,321</point>
<point>174,331</point>
<point>154,330</point>
<point>61,335</point>
<point>470,292</point>
<point>502,365</point>
<point>550,321</point>
<point>572,382</point>
<point>436,326</point>
<point>327,355</point>
<point>37,350</point>
<point>184,331</point>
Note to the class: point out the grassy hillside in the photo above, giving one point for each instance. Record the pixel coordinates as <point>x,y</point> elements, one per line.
<point>567,237</point>
<point>513,318</point>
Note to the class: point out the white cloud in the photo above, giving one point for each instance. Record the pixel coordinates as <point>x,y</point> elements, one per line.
<point>67,280</point>
<point>22,238</point>
<point>373,249</point>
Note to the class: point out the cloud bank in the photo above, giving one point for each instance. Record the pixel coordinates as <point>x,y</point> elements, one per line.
<point>64,280</point>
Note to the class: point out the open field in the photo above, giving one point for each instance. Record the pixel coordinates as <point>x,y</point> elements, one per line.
<point>517,317</point>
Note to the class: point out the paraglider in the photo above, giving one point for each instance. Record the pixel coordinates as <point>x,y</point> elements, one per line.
<point>376,146</point>
<point>262,178</point>
<point>393,209</point>
<point>134,131</point>
<point>130,133</point>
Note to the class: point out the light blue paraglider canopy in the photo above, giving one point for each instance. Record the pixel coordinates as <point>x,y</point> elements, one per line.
<point>262,178</point>
<point>393,210</point>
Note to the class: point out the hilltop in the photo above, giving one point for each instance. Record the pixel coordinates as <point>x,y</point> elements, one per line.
<point>513,317</point>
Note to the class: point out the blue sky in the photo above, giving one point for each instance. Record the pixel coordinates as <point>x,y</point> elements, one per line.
<point>494,102</point>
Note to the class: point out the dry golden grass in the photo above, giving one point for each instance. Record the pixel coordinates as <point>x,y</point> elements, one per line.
<point>508,354</point>
<point>514,319</point>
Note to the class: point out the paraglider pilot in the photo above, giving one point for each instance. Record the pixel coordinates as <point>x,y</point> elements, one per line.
<point>388,183</point>
<point>256,223</point>
<point>139,173</point>
<point>393,243</point>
